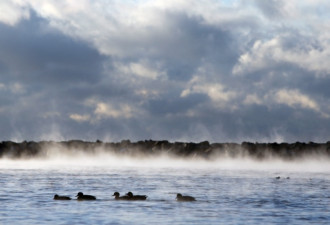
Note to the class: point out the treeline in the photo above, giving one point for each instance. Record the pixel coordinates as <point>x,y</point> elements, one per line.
<point>204,149</point>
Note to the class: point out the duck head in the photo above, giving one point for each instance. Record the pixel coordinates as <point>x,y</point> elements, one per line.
<point>116,194</point>
<point>179,195</point>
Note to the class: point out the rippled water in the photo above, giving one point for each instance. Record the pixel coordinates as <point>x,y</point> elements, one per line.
<point>235,194</point>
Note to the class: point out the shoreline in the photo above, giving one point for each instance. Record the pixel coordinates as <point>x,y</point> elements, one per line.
<point>259,151</point>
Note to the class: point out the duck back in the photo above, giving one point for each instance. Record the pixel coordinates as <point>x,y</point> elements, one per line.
<point>184,198</point>
<point>58,197</point>
<point>136,197</point>
<point>81,196</point>
<point>139,197</point>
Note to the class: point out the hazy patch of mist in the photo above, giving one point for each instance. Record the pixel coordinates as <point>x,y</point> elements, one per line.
<point>57,157</point>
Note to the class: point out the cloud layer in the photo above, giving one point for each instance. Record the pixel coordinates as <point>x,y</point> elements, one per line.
<point>180,70</point>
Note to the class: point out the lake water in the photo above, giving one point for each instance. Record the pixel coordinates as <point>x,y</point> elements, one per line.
<point>227,191</point>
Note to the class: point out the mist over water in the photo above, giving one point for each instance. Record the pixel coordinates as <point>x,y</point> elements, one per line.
<point>229,190</point>
<point>55,158</point>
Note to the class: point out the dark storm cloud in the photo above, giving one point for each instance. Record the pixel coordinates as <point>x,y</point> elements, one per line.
<point>178,70</point>
<point>46,56</point>
<point>43,75</point>
<point>198,43</point>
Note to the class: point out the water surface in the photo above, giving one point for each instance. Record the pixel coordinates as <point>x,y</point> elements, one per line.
<point>228,192</point>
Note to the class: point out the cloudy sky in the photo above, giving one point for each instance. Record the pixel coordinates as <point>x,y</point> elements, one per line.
<point>182,70</point>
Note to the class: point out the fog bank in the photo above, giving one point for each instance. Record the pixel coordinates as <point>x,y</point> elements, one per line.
<point>77,154</point>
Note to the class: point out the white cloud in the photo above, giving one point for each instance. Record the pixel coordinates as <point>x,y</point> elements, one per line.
<point>251,99</point>
<point>17,88</point>
<point>270,53</point>
<point>140,69</point>
<point>261,55</point>
<point>294,98</point>
<point>214,90</point>
<point>79,118</point>
<point>11,12</point>
<point>104,110</point>
<point>2,86</point>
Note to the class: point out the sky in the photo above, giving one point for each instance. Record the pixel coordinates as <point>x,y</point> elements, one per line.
<point>178,70</point>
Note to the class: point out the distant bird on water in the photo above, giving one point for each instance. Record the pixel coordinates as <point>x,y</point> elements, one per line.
<point>118,197</point>
<point>184,198</point>
<point>136,197</point>
<point>81,196</point>
<point>58,197</point>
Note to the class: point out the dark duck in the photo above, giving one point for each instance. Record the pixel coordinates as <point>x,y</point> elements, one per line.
<point>118,197</point>
<point>81,196</point>
<point>59,197</point>
<point>184,198</point>
<point>136,197</point>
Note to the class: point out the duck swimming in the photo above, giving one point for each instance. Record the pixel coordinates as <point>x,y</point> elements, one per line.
<point>136,197</point>
<point>184,198</point>
<point>81,196</point>
<point>118,197</point>
<point>58,197</point>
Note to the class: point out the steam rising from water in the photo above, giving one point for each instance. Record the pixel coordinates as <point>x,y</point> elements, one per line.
<point>60,158</point>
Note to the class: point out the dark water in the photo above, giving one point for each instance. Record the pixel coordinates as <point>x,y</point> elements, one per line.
<point>228,192</point>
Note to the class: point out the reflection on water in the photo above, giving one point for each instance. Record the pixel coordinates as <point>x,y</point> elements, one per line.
<point>228,191</point>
